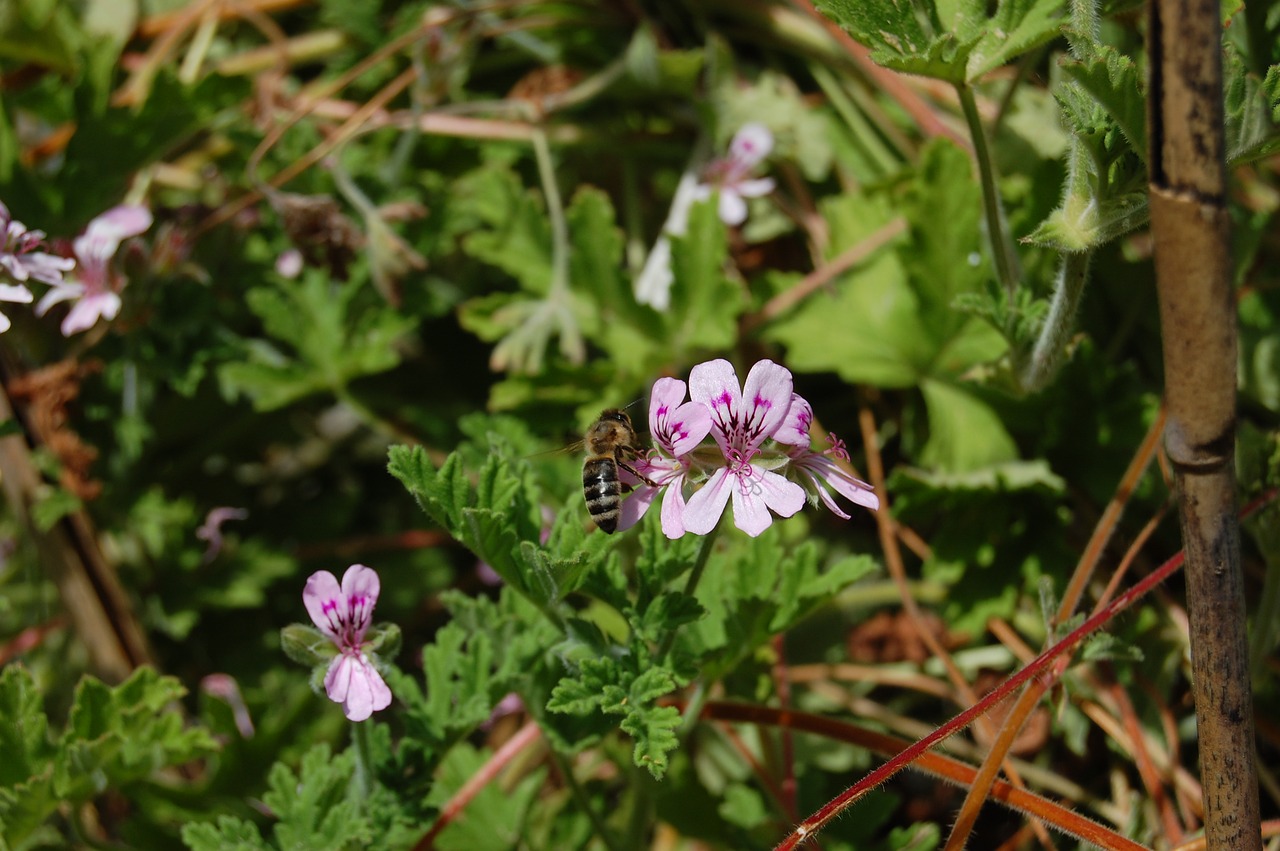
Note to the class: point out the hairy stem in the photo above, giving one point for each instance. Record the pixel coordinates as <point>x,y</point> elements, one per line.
<point>1073,271</point>
<point>1002,252</point>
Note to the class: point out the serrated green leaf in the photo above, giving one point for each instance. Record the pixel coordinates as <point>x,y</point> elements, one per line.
<point>226,834</point>
<point>654,731</point>
<point>1018,27</point>
<point>314,807</point>
<point>25,748</point>
<point>1252,110</point>
<point>1115,82</point>
<point>955,42</point>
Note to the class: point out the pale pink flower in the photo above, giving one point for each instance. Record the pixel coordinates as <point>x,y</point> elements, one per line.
<point>676,427</point>
<point>741,420</point>
<point>817,467</point>
<point>750,145</point>
<point>96,287</point>
<point>344,615</point>
<point>20,260</point>
<point>211,531</point>
<point>15,294</point>
<point>225,687</point>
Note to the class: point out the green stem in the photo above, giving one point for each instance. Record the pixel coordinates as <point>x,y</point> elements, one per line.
<point>1002,251</point>
<point>1073,271</point>
<point>362,746</point>
<point>584,803</point>
<point>691,585</point>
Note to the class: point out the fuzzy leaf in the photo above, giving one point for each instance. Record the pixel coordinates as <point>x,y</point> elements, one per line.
<point>315,807</point>
<point>953,40</point>
<point>226,834</point>
<point>1115,82</point>
<point>654,731</point>
<point>334,341</point>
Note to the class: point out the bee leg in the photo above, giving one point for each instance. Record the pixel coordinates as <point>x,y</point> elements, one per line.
<point>632,470</point>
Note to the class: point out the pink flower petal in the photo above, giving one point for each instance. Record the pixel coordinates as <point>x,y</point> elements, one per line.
<point>337,680</point>
<point>60,292</point>
<point>15,293</point>
<point>751,144</point>
<point>673,509</point>
<point>767,398</point>
<point>794,430</point>
<point>754,188</point>
<point>88,310</point>
<point>322,597</point>
<point>636,506</point>
<point>768,491</point>
<point>732,209</point>
<point>855,490</point>
<point>704,508</point>
<point>360,589</point>
<point>366,691</point>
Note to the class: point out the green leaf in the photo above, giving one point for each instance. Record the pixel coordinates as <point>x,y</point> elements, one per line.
<point>704,303</point>
<point>1115,82</point>
<point>964,432</point>
<point>1252,110</point>
<point>654,731</point>
<point>880,338</point>
<point>952,40</point>
<point>25,748</point>
<point>53,505</point>
<point>226,834</point>
<point>315,808</point>
<point>496,819</point>
<point>334,341</point>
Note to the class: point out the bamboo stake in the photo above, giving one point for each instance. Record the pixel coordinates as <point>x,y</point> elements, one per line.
<point>1191,230</point>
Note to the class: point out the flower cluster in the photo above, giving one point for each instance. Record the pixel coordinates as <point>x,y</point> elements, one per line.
<point>95,288</point>
<point>761,463</point>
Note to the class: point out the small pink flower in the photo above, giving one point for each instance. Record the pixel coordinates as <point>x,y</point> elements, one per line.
<point>817,467</point>
<point>750,145</point>
<point>741,420</point>
<point>344,614</point>
<point>211,531</point>
<point>96,289</point>
<point>19,258</point>
<point>677,427</point>
<point>224,686</point>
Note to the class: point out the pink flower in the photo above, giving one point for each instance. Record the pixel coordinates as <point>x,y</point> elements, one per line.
<point>750,145</point>
<point>677,429</point>
<point>211,531</point>
<point>19,258</point>
<point>344,615</point>
<point>741,420</point>
<point>21,262</point>
<point>96,290</point>
<point>817,468</point>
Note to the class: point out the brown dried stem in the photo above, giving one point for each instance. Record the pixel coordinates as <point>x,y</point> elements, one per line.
<point>1191,230</point>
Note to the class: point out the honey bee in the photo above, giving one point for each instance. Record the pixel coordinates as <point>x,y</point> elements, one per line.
<point>611,443</point>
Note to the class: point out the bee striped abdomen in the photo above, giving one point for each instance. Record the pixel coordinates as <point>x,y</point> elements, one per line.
<point>603,491</point>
